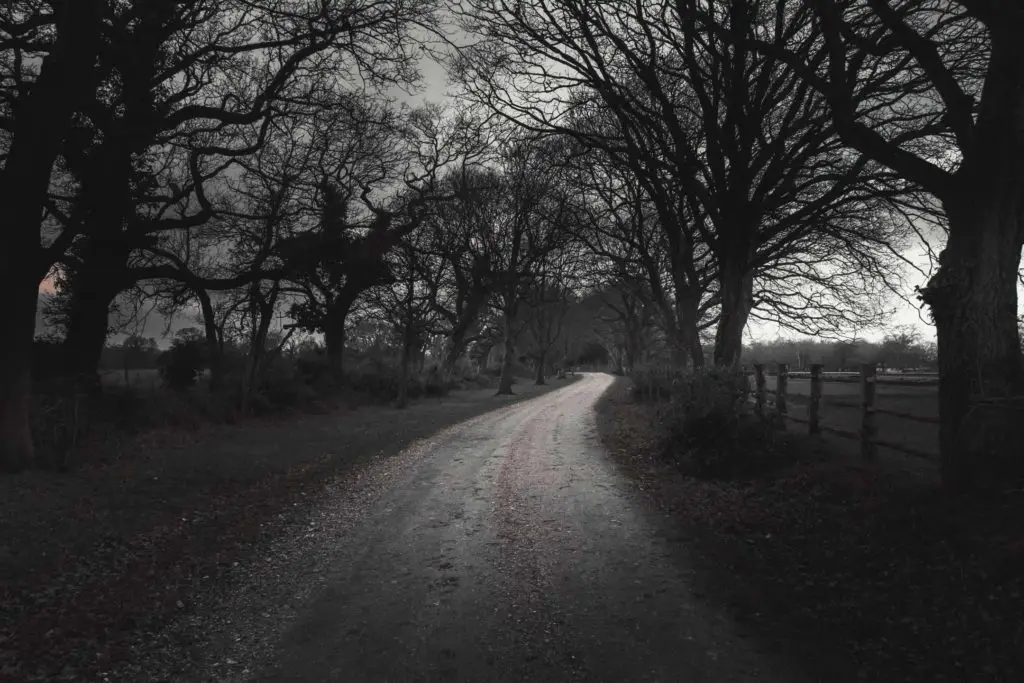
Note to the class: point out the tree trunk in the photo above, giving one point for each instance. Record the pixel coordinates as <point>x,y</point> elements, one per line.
<point>41,119</point>
<point>631,347</point>
<point>736,286</point>
<point>20,295</point>
<point>88,326</point>
<point>469,315</point>
<point>696,353</point>
<point>213,345</point>
<point>688,339</point>
<point>334,333</point>
<point>505,383</point>
<point>403,378</point>
<point>540,368</point>
<point>257,353</point>
<point>456,346</point>
<point>973,300</point>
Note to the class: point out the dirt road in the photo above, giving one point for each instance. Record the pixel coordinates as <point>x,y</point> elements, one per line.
<point>508,548</point>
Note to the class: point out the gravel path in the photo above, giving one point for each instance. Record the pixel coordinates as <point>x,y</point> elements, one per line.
<point>506,548</point>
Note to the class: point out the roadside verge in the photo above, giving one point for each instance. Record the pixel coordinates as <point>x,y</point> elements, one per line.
<point>95,563</point>
<point>857,574</point>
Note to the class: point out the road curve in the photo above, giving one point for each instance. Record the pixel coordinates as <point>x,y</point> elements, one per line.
<point>513,551</point>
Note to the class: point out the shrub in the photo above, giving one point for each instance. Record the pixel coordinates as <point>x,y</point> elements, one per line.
<point>314,369</point>
<point>181,365</point>
<point>709,426</point>
<point>284,386</point>
<point>656,383</point>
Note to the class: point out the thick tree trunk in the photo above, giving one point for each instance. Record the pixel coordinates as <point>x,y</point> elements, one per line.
<point>334,333</point>
<point>540,368</point>
<point>687,330</point>
<point>505,382</point>
<point>334,339</point>
<point>456,347</point>
<point>88,327</point>
<point>736,286</point>
<point>41,119</point>
<point>469,315</point>
<point>973,299</point>
<point>20,296</point>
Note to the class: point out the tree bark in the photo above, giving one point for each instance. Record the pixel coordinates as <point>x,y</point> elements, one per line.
<point>540,368</point>
<point>505,383</point>
<point>213,340</point>
<point>456,347</point>
<point>334,333</point>
<point>696,353</point>
<point>257,350</point>
<point>20,295</point>
<point>973,300</point>
<point>467,317</point>
<point>736,287</point>
<point>41,120</point>
<point>88,321</point>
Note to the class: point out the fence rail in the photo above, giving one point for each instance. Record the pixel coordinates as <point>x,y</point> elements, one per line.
<point>867,435</point>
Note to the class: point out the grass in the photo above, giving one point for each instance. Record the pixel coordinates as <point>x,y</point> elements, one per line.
<point>94,557</point>
<point>862,574</point>
<point>841,409</point>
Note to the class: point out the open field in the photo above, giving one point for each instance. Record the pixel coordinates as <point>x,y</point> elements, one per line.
<point>840,409</point>
<point>141,378</point>
<point>883,377</point>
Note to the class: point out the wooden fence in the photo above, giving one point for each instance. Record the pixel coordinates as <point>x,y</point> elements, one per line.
<point>867,435</point>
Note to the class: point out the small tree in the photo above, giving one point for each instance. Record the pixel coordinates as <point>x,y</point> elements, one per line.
<point>181,365</point>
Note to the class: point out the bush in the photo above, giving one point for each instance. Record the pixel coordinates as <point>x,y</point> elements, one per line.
<point>181,365</point>
<point>313,369</point>
<point>284,386</point>
<point>709,425</point>
<point>656,383</point>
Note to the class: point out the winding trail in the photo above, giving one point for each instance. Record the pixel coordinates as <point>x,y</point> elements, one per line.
<point>513,550</point>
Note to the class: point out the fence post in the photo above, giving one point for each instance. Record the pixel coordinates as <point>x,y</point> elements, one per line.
<point>781,382</point>
<point>759,392</point>
<point>868,429</point>
<point>813,426</point>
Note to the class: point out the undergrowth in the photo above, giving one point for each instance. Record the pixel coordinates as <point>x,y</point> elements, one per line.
<point>707,425</point>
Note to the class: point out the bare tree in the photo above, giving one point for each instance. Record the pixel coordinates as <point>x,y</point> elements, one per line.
<point>345,256</point>
<point>49,55</point>
<point>530,224</point>
<point>195,82</point>
<point>463,282</point>
<point>546,299</point>
<point>934,91</point>
<point>725,141</point>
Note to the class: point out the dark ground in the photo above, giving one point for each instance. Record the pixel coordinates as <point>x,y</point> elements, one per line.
<point>379,544</point>
<point>509,548</point>
<point>506,547</point>
<point>856,573</point>
<point>95,563</point>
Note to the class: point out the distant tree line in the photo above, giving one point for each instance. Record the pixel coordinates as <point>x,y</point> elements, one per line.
<point>899,350</point>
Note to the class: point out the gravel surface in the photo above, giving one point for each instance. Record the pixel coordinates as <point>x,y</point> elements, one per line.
<point>505,548</point>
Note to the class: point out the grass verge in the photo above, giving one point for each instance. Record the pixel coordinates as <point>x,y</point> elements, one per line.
<point>857,574</point>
